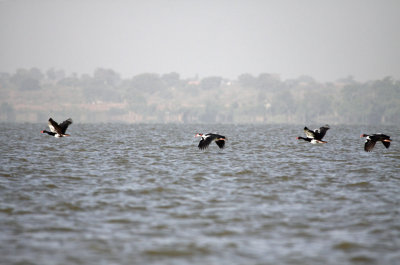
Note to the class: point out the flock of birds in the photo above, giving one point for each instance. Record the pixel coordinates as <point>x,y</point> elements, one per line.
<point>315,137</point>
<point>312,136</point>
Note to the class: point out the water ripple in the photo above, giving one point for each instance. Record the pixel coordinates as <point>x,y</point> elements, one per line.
<point>147,195</point>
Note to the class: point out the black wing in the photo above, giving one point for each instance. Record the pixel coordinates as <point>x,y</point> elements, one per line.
<point>205,142</point>
<point>369,145</point>
<point>64,125</point>
<point>54,127</point>
<point>219,140</point>
<point>320,133</point>
<point>220,143</point>
<point>386,144</point>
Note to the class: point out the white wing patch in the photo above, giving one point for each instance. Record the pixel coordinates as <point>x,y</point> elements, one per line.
<point>52,129</point>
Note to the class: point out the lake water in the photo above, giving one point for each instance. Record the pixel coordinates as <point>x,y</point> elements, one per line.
<point>145,194</point>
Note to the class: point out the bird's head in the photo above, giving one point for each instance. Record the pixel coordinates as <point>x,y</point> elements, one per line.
<point>198,135</point>
<point>363,135</point>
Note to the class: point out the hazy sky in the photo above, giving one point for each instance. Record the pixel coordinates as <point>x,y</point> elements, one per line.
<point>324,39</point>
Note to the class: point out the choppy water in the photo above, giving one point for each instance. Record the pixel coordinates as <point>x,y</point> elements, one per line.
<point>144,194</point>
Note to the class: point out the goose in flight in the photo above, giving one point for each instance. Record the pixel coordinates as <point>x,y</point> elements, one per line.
<point>371,140</point>
<point>315,136</point>
<point>207,139</point>
<point>58,130</point>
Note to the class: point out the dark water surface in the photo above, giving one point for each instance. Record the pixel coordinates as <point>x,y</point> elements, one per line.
<point>144,194</point>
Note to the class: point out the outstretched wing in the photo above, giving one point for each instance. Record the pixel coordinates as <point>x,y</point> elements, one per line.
<point>54,127</point>
<point>309,133</point>
<point>205,142</point>
<point>320,133</point>
<point>369,145</point>
<point>64,125</point>
<point>386,144</point>
<point>220,143</point>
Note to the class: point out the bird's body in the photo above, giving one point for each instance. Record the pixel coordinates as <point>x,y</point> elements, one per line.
<point>370,140</point>
<point>315,136</point>
<point>58,130</point>
<point>208,138</point>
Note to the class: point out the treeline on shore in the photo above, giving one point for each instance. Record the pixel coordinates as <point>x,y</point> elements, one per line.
<point>30,95</point>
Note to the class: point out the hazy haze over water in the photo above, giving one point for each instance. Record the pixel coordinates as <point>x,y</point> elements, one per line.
<point>323,39</point>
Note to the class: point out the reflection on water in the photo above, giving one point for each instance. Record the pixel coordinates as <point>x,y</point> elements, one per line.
<point>144,194</point>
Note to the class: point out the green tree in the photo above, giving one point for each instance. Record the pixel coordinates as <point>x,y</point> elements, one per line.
<point>55,75</point>
<point>27,79</point>
<point>107,77</point>
<point>210,83</point>
<point>149,83</point>
<point>268,82</point>
<point>171,80</point>
<point>247,80</point>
